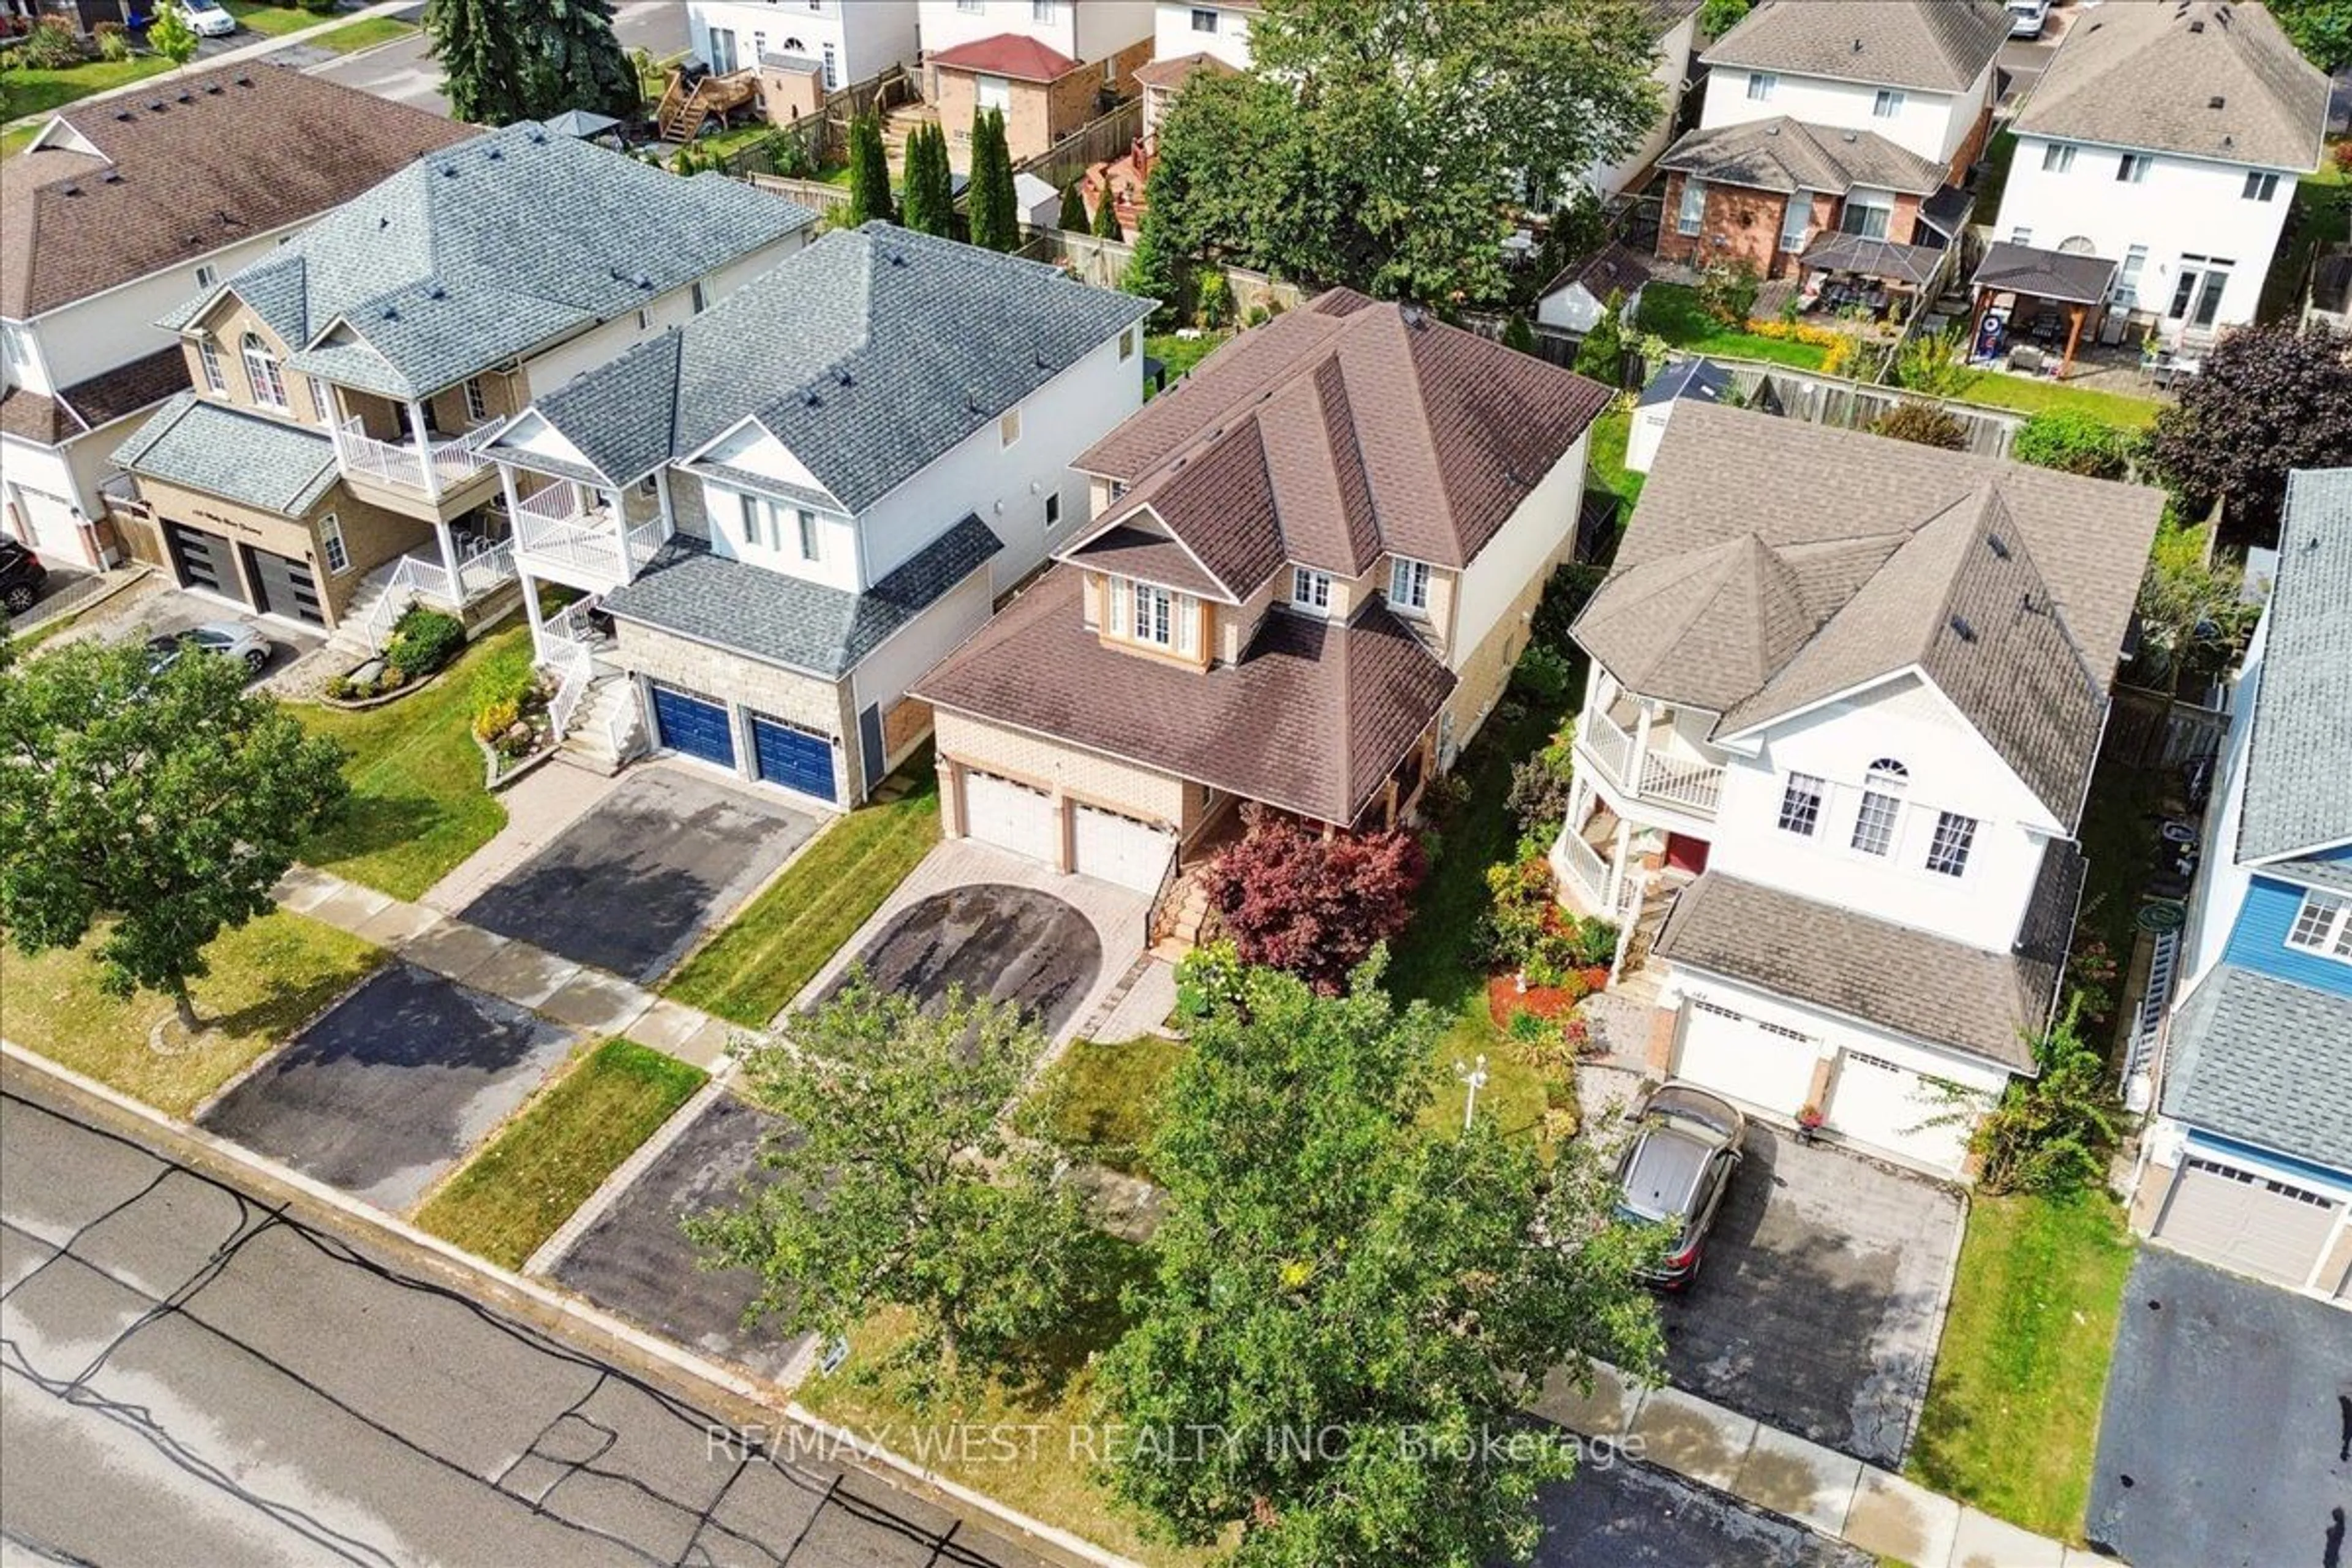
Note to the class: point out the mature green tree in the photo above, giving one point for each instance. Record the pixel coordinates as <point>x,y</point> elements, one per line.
<point>1107,215</point>
<point>929,205</point>
<point>869,174</point>
<point>1073,216</point>
<point>2052,1132</point>
<point>1152,272</point>
<point>1717,18</point>
<point>573,59</point>
<point>1351,1303</point>
<point>485,65</point>
<point>170,36</point>
<point>1601,354</point>
<point>993,209</point>
<point>156,808</point>
<point>904,1183</point>
<point>2322,29</point>
<point>2267,400</point>
<point>1379,143</point>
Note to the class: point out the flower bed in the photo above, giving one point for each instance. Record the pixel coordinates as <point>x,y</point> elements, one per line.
<point>423,643</point>
<point>1507,996</point>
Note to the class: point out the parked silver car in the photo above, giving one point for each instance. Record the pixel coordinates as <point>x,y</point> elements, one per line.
<point>233,638</point>
<point>1686,1144</point>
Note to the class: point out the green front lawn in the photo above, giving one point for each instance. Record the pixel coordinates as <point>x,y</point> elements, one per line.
<point>2038,394</point>
<point>1673,312</point>
<point>1607,468</point>
<point>752,970</point>
<point>515,1193</point>
<point>1109,1087</point>
<point>267,979</point>
<point>419,805</point>
<point>24,90</point>
<point>2012,1422</point>
<point>364,34</point>
<point>272,21</point>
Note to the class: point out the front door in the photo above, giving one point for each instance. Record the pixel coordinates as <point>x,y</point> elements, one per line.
<point>869,742</point>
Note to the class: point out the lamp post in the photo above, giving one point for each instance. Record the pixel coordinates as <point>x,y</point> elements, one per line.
<point>1473,1078</point>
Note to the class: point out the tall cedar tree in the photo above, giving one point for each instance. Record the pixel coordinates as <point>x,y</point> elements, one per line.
<point>483,61</point>
<point>2268,400</point>
<point>1107,215</point>
<point>1379,143</point>
<point>869,174</point>
<point>1296,900</point>
<point>573,60</point>
<point>996,222</point>
<point>156,807</point>
<point>1152,272</point>
<point>1357,1308</point>
<point>1073,218</point>
<point>929,205</point>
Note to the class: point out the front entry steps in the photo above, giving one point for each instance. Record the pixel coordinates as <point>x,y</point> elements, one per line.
<point>609,710</point>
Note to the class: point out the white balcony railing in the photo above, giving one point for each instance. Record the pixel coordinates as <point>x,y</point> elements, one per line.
<point>587,545</point>
<point>455,459</point>
<point>559,502</point>
<point>1685,783</point>
<point>1579,863</point>
<point>1611,747</point>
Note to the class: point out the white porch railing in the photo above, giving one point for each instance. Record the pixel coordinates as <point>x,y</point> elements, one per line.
<point>645,543</point>
<point>559,502</point>
<point>486,566</point>
<point>598,551</point>
<point>1580,864</point>
<point>1610,746</point>
<point>564,648</point>
<point>454,460</point>
<point>1680,782</point>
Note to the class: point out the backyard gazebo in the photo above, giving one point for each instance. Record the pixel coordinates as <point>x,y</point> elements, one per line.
<point>2064,290</point>
<point>1842,267</point>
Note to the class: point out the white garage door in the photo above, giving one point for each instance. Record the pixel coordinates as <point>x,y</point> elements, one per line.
<point>1732,1054</point>
<point>56,537</point>
<point>2243,1220</point>
<point>1120,849</point>
<point>1012,817</point>
<point>1877,1102</point>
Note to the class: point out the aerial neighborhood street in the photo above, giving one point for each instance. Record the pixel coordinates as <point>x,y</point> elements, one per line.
<point>1031,784</point>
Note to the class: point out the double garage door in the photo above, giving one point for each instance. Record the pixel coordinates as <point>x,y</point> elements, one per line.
<point>786,754</point>
<point>2249,1222</point>
<point>207,561</point>
<point>1103,844</point>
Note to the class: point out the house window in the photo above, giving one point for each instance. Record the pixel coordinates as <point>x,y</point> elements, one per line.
<point>2020,235</point>
<point>1882,806</point>
<point>970,7</point>
<point>649,486</point>
<point>209,357</point>
<point>808,536</point>
<point>645,317</point>
<point>1008,427</point>
<point>2324,925</point>
<point>1888,105</point>
<point>701,297</point>
<point>1310,590</point>
<point>1203,21</point>
<point>478,402</point>
<point>1864,216</point>
<point>205,275</point>
<point>1408,585</point>
<point>2260,187</point>
<point>1154,617</point>
<point>832,68</point>
<point>319,403</point>
<point>16,346</point>
<point>1693,211</point>
<point>1127,344</point>
<point>1801,805</point>
<point>992,92</point>
<point>1041,10</point>
<point>750,510</point>
<point>261,372</point>
<point>1796,220</point>
<point>2058,158</point>
<point>2128,277</point>
<point>330,546</point>
<point>1761,85</point>
<point>1053,508</point>
<point>2131,169</point>
<point>1948,853</point>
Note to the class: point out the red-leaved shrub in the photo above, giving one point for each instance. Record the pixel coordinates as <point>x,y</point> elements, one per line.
<point>1293,900</point>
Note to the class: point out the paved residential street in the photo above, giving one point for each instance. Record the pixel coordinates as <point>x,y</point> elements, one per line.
<point>193,1378</point>
<point>1624,1515</point>
<point>405,73</point>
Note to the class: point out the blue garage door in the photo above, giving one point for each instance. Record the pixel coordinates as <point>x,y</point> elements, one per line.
<point>695,726</point>
<point>793,757</point>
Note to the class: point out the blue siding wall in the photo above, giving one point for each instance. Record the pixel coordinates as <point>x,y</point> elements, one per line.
<point>2258,941</point>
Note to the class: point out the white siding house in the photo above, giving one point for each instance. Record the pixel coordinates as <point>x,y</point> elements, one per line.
<point>851,40</point>
<point>1082,29</point>
<point>1217,27</point>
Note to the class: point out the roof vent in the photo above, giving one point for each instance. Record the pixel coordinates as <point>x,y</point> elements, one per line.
<point>70,191</point>
<point>2216,101</point>
<point>156,107</point>
<point>437,292</point>
<point>2197,26</point>
<point>391,312</point>
<point>643,281</point>
<point>244,81</point>
<point>809,399</point>
<point>495,154</point>
<point>383,222</point>
<point>1850,136</point>
<point>184,97</point>
<point>213,89</point>
<point>1857,46</point>
<point>1959,625</point>
<point>841,377</point>
<point>125,116</point>
<point>449,171</point>
<point>897,259</point>
<point>1999,545</point>
<point>112,177</point>
<point>538,138</point>
<point>1411,315</point>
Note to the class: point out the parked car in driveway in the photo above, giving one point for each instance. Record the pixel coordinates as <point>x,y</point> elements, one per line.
<point>21,576</point>
<point>2028,17</point>
<point>1686,1143</point>
<point>233,639</point>
<point>208,18</point>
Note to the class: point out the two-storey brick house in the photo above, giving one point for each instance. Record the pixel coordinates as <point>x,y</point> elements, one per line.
<point>1048,65</point>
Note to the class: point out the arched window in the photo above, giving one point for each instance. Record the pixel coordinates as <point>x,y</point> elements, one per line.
<point>1881,811</point>
<point>261,371</point>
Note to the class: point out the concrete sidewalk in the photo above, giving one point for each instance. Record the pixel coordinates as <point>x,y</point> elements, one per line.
<point>532,977</point>
<point>1832,1494</point>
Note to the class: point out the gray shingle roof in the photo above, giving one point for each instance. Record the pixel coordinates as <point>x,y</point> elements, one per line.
<point>2147,75</point>
<point>1701,379</point>
<point>239,456</point>
<point>2044,274</point>
<point>487,250</point>
<point>2264,1059</point>
<point>2299,756</point>
<point>2333,874</point>
<point>867,355</point>
<point>1940,46</point>
<point>1835,252</point>
<point>1785,154</point>
<point>1989,1004</point>
<point>783,620</point>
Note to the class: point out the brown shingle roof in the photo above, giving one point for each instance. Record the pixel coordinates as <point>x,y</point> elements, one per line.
<point>87,405</point>
<point>1340,430</point>
<point>1013,54</point>
<point>1938,45</point>
<point>1313,719</point>
<point>1176,71</point>
<point>1129,551</point>
<point>190,166</point>
<point>1786,155</point>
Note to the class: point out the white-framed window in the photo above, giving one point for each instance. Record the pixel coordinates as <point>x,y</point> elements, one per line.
<point>2322,925</point>
<point>2058,158</point>
<point>1867,214</point>
<point>992,92</point>
<point>832,68</point>
<point>970,7</point>
<point>701,297</point>
<point>319,403</point>
<point>1042,10</point>
<point>1693,210</point>
<point>205,276</point>
<point>1409,586</point>
<point>1801,805</point>
<point>1888,104</point>
<point>2131,169</point>
<point>1310,590</point>
<point>2128,276</point>
<point>748,505</point>
<point>1882,806</point>
<point>478,401</point>
<point>1204,19</point>
<point>1008,427</point>
<point>1761,85</point>
<point>2020,235</point>
<point>1155,616</point>
<point>2260,186</point>
<point>208,357</point>
<point>1148,614</point>
<point>650,486</point>
<point>261,372</point>
<point>1796,220</point>
<point>330,544</point>
<point>1947,852</point>
<point>1127,343</point>
<point>16,346</point>
<point>808,535</point>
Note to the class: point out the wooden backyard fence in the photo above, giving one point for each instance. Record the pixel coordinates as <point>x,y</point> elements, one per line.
<point>1103,263</point>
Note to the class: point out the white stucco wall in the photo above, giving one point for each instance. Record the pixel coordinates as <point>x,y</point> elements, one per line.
<point>867,36</point>
<point>1173,35</point>
<point>2185,206</point>
<point>1537,536</point>
<point>546,370</point>
<point>1932,124</point>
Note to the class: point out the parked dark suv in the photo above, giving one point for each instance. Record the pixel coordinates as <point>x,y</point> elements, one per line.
<point>21,576</point>
<point>1686,1143</point>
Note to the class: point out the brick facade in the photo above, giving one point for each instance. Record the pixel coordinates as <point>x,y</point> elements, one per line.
<point>1742,224</point>
<point>1064,771</point>
<point>371,536</point>
<point>1037,113</point>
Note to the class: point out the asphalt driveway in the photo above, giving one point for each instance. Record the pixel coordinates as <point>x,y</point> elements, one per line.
<point>631,886</point>
<point>1015,944</point>
<point>1619,1514</point>
<point>392,1087</point>
<point>2226,1440</point>
<point>1821,1300</point>
<point>175,610</point>
<point>635,1260</point>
